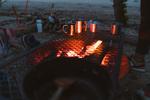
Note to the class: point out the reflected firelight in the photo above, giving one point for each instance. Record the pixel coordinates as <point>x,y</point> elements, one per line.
<point>39,57</point>
<point>113,29</point>
<point>109,58</point>
<point>80,52</point>
<point>78,26</point>
<point>72,30</point>
<point>108,62</point>
<point>93,28</point>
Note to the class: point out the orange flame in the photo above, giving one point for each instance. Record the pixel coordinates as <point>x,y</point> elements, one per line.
<point>105,61</point>
<point>72,54</point>
<point>59,53</point>
<point>89,50</point>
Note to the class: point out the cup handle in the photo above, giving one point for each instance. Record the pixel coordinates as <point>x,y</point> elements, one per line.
<point>64,28</point>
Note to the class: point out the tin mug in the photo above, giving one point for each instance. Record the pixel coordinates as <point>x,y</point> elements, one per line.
<point>85,26</point>
<point>114,29</point>
<point>69,29</point>
<point>39,25</point>
<point>78,27</point>
<point>93,27</point>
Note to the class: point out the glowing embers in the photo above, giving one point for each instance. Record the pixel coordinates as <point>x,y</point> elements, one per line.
<point>68,54</point>
<point>59,53</point>
<point>109,58</point>
<point>109,63</point>
<point>67,48</point>
<point>91,49</point>
<point>39,55</point>
<point>85,51</point>
<point>72,54</point>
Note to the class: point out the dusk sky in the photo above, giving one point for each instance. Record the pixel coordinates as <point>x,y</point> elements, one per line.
<point>83,1</point>
<point>99,2</point>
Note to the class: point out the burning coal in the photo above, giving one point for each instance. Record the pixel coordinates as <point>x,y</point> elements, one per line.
<point>90,49</point>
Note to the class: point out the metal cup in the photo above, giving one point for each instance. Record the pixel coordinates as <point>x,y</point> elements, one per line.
<point>39,25</point>
<point>78,27</point>
<point>92,27</point>
<point>85,26</point>
<point>69,29</point>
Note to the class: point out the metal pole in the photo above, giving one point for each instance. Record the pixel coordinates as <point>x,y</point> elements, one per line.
<point>115,77</point>
<point>26,7</point>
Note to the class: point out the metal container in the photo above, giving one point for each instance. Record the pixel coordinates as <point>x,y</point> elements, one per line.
<point>39,25</point>
<point>93,27</point>
<point>78,27</point>
<point>69,29</point>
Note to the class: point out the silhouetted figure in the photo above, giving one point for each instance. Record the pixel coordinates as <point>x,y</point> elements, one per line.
<point>142,48</point>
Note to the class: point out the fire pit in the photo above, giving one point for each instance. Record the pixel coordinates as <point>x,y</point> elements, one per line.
<point>72,56</point>
<point>78,55</point>
<point>98,52</point>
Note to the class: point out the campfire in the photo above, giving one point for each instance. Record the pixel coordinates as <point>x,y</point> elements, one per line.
<point>85,51</point>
